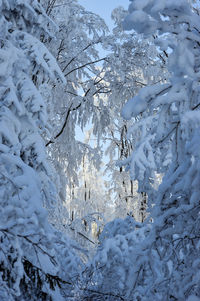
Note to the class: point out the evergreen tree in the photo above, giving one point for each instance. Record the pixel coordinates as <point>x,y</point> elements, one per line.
<point>29,264</point>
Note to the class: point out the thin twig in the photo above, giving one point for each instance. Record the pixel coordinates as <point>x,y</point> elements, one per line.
<point>84,65</point>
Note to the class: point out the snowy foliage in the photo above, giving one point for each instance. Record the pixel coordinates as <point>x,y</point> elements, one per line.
<point>132,63</point>
<point>73,104</point>
<point>95,90</point>
<point>164,263</point>
<point>30,249</point>
<point>154,260</point>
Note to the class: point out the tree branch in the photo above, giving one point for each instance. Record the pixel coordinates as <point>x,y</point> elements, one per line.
<point>50,7</point>
<point>62,129</point>
<point>84,236</point>
<point>31,242</point>
<point>90,44</point>
<point>60,281</point>
<point>84,65</point>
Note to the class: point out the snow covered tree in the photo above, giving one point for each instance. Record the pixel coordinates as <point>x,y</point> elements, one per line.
<point>160,259</point>
<point>86,204</point>
<point>73,105</point>
<point>30,249</point>
<point>132,63</point>
<point>94,88</point>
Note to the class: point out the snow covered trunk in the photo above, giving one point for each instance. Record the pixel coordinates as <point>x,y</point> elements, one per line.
<point>28,243</point>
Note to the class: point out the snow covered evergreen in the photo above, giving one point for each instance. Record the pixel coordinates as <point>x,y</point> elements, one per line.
<point>30,249</point>
<point>159,260</point>
<point>170,146</point>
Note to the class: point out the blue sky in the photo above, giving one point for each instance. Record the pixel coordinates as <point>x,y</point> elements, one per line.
<point>104,7</point>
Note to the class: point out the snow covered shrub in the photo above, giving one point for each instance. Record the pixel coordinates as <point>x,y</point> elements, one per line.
<point>30,249</point>
<point>115,269</point>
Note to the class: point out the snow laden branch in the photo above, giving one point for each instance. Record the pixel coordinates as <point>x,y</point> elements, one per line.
<point>159,259</point>
<point>85,65</point>
<point>74,107</point>
<point>26,185</point>
<point>76,56</point>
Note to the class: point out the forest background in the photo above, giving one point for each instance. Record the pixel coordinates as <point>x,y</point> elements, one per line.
<point>112,214</point>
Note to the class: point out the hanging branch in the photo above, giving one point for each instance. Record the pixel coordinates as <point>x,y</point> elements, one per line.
<point>90,44</point>
<point>74,109</point>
